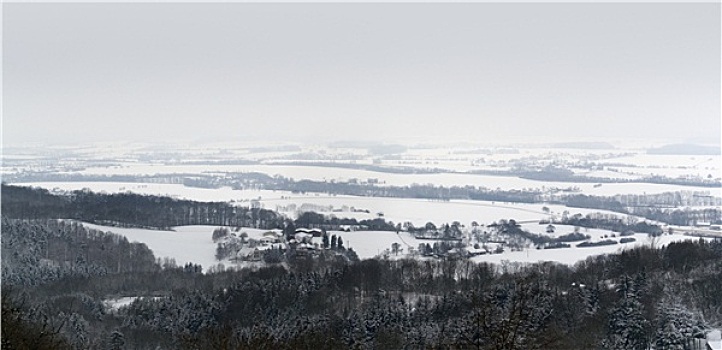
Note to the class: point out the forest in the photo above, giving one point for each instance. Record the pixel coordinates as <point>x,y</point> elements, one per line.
<point>130,210</point>
<point>57,276</point>
<point>660,207</point>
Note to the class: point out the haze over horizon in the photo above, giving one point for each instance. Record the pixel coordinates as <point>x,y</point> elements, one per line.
<point>482,72</point>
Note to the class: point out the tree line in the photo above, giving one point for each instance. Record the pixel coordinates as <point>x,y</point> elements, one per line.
<point>622,204</point>
<point>130,209</point>
<point>642,297</point>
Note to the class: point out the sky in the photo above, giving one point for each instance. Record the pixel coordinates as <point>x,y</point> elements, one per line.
<point>486,72</point>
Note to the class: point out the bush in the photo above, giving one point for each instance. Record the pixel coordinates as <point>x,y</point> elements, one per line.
<point>572,237</point>
<point>272,256</point>
<point>597,244</point>
<point>557,245</point>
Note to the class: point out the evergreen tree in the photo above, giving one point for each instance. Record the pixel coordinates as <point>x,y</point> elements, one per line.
<point>325,240</point>
<point>79,331</point>
<point>627,325</point>
<point>676,325</point>
<point>116,340</point>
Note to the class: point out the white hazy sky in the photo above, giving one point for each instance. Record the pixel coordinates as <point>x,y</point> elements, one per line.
<point>475,71</point>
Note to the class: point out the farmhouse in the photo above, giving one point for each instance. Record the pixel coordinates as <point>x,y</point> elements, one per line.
<point>301,237</point>
<point>314,232</point>
<point>270,237</point>
<point>702,224</point>
<point>474,251</point>
<point>714,340</point>
<point>249,254</point>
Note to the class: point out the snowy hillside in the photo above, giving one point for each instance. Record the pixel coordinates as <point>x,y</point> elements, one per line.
<point>193,244</point>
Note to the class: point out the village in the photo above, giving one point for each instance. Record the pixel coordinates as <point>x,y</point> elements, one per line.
<point>452,241</point>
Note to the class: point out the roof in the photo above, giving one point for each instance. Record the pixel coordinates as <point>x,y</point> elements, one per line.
<point>301,235</point>
<point>245,251</point>
<point>270,246</point>
<point>473,250</point>
<point>305,246</point>
<point>307,230</point>
<point>714,339</point>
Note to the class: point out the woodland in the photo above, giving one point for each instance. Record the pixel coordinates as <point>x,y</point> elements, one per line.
<point>57,276</point>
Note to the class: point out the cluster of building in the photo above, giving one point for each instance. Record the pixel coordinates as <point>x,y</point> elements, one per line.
<point>304,241</point>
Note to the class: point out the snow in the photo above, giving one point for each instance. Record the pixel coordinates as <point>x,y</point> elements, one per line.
<point>575,254</point>
<point>319,173</point>
<point>292,171</point>
<point>369,244</point>
<point>180,191</point>
<point>115,304</point>
<point>224,194</point>
<point>628,160</point>
<point>398,210</point>
<point>643,188</point>
<point>186,244</point>
<point>560,230</point>
<point>714,340</point>
<point>626,168</point>
<point>668,165</point>
<point>607,174</point>
<point>421,211</point>
<point>193,244</point>
<point>668,160</point>
<point>628,164</point>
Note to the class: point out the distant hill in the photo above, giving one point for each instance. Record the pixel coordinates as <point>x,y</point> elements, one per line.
<point>386,149</point>
<point>353,144</point>
<point>685,149</point>
<point>582,145</point>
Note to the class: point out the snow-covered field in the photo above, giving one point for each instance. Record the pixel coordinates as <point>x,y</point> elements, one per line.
<point>574,254</point>
<point>319,173</point>
<point>117,303</point>
<point>670,161</point>
<point>185,244</point>
<point>194,244</point>
<point>225,194</point>
<point>368,244</point>
<point>113,304</point>
<point>398,210</point>
<point>421,211</point>
<point>560,230</point>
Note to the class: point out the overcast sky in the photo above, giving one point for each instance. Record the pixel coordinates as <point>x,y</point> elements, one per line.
<point>480,71</point>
